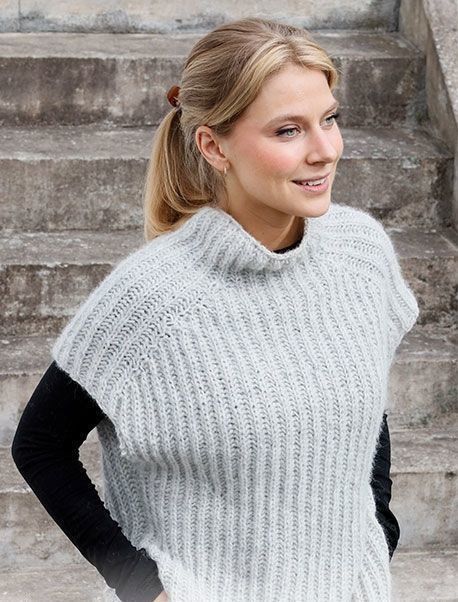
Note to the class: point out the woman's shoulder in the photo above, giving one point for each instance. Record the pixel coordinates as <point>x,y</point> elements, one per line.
<point>101,343</point>
<point>131,297</point>
<point>154,266</point>
<point>342,217</point>
<point>355,237</point>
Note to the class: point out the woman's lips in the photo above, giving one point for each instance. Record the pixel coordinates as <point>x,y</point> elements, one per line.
<point>315,189</point>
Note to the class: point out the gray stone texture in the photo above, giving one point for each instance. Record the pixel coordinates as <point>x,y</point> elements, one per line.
<point>156,16</point>
<point>81,78</point>
<point>433,27</point>
<point>427,574</point>
<point>9,15</point>
<point>54,268</point>
<point>85,177</point>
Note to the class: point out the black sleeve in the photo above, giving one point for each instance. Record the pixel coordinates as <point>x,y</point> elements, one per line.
<point>381,485</point>
<point>45,449</point>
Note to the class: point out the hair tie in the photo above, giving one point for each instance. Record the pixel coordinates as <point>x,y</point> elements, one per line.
<point>172,96</point>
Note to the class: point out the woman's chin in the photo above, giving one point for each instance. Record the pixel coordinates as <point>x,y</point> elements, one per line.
<point>316,206</point>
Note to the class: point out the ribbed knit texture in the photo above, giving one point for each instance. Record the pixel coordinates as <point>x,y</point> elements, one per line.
<point>245,390</point>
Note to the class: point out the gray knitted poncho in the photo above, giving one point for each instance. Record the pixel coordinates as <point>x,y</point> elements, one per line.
<point>244,391</point>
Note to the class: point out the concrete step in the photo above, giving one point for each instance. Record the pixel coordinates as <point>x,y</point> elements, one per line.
<point>138,15</point>
<point>424,466</point>
<point>424,575</point>
<point>422,388</point>
<point>74,583</point>
<point>423,384</point>
<point>424,469</point>
<point>44,276</point>
<point>41,273</point>
<point>75,78</point>
<point>90,177</point>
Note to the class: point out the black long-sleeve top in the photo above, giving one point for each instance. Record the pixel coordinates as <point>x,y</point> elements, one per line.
<point>55,422</point>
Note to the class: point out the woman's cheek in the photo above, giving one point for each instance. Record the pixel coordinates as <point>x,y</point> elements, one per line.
<point>278,162</point>
<point>338,142</point>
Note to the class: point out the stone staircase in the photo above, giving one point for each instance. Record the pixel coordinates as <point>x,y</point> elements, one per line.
<point>78,110</point>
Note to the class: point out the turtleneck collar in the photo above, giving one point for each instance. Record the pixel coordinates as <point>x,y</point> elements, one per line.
<point>222,241</point>
<point>292,246</point>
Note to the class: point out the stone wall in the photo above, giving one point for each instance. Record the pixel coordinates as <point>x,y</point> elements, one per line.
<point>433,27</point>
<point>159,16</point>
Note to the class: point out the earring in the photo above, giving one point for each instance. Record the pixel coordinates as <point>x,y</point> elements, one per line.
<point>225,170</point>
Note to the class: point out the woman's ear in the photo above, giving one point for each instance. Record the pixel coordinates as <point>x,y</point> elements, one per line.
<point>210,147</point>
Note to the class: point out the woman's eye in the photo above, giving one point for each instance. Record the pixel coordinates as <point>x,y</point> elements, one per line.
<point>334,116</point>
<point>280,132</point>
<point>285,134</point>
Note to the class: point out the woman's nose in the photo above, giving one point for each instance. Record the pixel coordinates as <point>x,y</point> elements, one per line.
<point>321,148</point>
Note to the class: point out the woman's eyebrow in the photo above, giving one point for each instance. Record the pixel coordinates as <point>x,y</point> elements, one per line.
<point>290,117</point>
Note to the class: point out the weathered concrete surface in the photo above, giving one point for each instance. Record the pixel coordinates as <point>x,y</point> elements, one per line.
<point>416,396</point>
<point>70,177</point>
<point>425,575</point>
<point>403,177</point>
<point>348,44</point>
<point>88,177</point>
<point>83,78</point>
<point>425,507</point>
<point>9,15</point>
<point>433,27</point>
<point>157,16</point>
<point>75,583</point>
<point>43,276</point>
<point>37,284</point>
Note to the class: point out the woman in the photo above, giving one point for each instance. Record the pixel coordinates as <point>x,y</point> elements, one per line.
<point>236,365</point>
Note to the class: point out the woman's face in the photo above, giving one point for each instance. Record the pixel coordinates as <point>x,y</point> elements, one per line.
<point>286,135</point>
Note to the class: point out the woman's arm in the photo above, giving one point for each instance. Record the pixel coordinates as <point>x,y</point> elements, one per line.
<point>381,485</point>
<point>54,424</point>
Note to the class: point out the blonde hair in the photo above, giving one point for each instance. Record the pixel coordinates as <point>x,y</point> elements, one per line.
<point>222,75</point>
